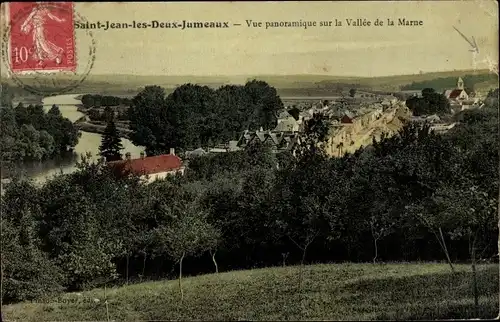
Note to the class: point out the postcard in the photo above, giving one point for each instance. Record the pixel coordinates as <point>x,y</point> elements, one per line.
<point>303,160</point>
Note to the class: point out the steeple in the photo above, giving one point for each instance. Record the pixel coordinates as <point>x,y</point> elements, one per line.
<point>460,83</point>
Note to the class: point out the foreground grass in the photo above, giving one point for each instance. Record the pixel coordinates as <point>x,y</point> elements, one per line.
<point>329,292</point>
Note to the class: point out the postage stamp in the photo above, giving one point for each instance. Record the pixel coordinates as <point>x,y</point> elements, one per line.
<point>41,37</point>
<point>40,47</point>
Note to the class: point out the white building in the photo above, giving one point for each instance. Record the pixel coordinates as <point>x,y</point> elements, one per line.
<point>150,168</point>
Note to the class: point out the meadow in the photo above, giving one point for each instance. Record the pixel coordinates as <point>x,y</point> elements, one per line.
<point>327,292</point>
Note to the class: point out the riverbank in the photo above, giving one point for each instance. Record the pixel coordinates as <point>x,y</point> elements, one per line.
<point>89,141</point>
<point>99,129</point>
<point>85,124</point>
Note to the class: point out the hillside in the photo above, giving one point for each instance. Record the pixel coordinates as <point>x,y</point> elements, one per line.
<point>287,85</point>
<point>330,292</point>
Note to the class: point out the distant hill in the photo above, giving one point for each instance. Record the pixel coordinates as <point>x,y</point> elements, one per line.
<point>442,83</point>
<point>130,84</point>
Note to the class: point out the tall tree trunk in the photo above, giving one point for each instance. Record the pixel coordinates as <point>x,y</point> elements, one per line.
<point>474,279</point>
<point>375,240</point>
<point>285,256</point>
<point>180,277</point>
<point>126,268</point>
<point>144,264</point>
<point>215,263</point>
<point>446,250</point>
<point>301,270</point>
<point>439,239</point>
<point>106,303</point>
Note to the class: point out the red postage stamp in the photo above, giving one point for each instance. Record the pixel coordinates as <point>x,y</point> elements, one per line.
<point>41,37</point>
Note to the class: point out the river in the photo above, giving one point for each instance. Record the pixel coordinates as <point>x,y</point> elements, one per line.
<point>89,142</point>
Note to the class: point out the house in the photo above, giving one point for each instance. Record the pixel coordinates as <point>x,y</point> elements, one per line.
<point>442,127</point>
<point>288,124</point>
<point>347,118</point>
<point>279,141</point>
<point>283,115</point>
<point>405,94</point>
<point>195,153</point>
<point>150,168</point>
<point>424,118</point>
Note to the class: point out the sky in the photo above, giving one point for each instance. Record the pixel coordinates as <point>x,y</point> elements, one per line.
<point>240,50</point>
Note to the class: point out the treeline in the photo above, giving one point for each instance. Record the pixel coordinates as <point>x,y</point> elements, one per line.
<point>96,100</point>
<point>193,116</point>
<point>107,115</point>
<point>30,134</point>
<point>430,103</point>
<point>9,92</point>
<point>414,196</point>
<point>443,83</point>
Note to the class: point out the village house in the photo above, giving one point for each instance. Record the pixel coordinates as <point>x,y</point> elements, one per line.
<point>195,153</point>
<point>347,118</point>
<point>405,94</point>
<point>150,168</point>
<point>442,127</point>
<point>278,141</point>
<point>424,118</point>
<point>288,124</point>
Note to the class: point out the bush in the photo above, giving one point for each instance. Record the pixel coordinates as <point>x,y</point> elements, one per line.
<point>28,274</point>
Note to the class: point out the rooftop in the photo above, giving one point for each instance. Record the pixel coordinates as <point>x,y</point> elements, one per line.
<point>149,165</point>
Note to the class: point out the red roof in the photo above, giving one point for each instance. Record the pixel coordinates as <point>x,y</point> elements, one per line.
<point>455,93</point>
<point>150,165</point>
<point>346,119</point>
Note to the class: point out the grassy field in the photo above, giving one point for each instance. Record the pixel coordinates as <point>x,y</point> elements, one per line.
<point>329,292</point>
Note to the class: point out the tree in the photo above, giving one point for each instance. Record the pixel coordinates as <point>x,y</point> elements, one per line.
<point>27,271</point>
<point>111,144</point>
<point>54,110</point>
<point>430,103</point>
<point>6,95</point>
<point>426,92</point>
<point>64,132</point>
<point>470,213</point>
<point>316,133</point>
<point>192,115</point>
<point>150,123</point>
<point>352,92</point>
<point>109,114</point>
<point>303,210</point>
<point>73,230</point>
<point>187,234</point>
<point>265,104</point>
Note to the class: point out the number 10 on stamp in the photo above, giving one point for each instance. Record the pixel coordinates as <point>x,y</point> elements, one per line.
<point>41,36</point>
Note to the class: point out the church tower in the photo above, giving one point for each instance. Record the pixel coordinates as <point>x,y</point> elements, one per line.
<point>460,83</point>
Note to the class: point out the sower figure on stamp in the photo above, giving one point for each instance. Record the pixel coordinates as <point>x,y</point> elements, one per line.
<point>43,49</point>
